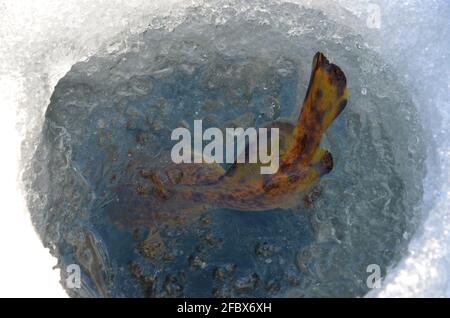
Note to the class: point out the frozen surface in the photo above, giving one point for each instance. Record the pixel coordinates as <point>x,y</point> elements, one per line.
<point>414,35</point>
<point>371,203</point>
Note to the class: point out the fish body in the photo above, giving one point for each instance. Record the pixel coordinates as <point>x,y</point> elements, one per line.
<point>190,187</point>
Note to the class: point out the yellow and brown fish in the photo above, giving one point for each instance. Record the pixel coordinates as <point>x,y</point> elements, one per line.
<point>170,189</point>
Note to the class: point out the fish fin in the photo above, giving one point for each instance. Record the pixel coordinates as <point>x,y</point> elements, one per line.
<point>325,99</point>
<point>323,160</point>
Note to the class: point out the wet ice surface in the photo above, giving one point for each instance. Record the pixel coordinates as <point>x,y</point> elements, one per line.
<point>226,66</point>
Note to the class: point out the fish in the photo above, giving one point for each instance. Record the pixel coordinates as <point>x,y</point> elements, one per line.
<point>185,189</point>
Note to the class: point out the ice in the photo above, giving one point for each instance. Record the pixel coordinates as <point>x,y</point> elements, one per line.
<point>421,55</point>
<point>398,73</point>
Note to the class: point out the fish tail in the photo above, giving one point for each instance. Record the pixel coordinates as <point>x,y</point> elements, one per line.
<point>325,99</point>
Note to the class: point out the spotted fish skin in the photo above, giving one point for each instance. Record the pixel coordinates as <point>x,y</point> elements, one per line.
<point>189,188</point>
